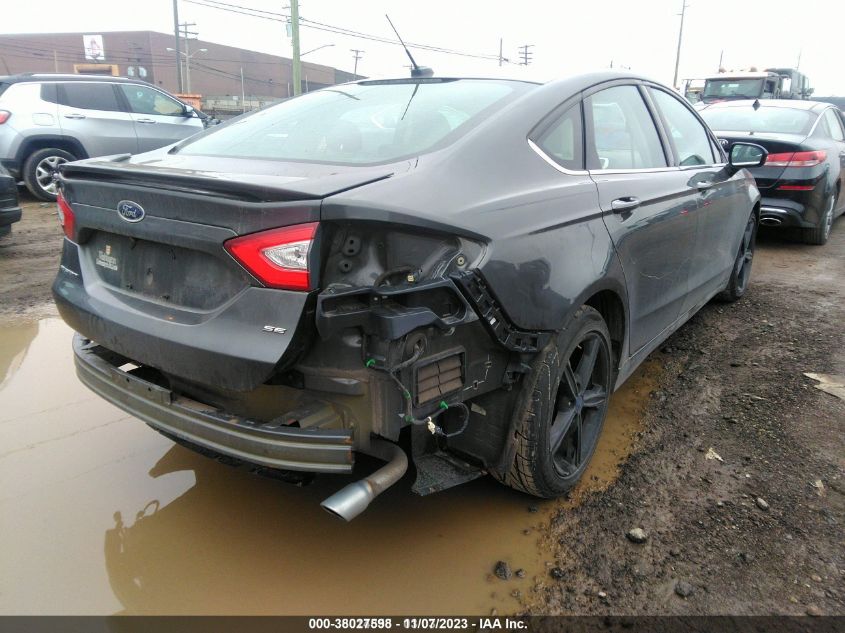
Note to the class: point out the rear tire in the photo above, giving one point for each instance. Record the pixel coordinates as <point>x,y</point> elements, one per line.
<point>819,234</point>
<point>556,432</point>
<point>741,273</point>
<point>39,168</point>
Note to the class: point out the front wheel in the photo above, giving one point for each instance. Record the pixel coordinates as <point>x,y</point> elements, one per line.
<point>741,273</point>
<point>562,407</point>
<point>818,235</point>
<point>39,169</point>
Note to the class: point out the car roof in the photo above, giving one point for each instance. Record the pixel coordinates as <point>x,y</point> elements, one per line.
<point>36,77</point>
<point>794,104</point>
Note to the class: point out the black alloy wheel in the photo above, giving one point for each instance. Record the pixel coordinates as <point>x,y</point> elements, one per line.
<point>561,408</point>
<point>741,273</point>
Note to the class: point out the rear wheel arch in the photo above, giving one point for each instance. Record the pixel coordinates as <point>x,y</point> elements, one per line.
<point>64,143</point>
<point>611,307</point>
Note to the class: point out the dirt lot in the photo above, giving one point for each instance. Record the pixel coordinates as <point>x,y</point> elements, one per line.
<point>29,258</point>
<point>743,528</point>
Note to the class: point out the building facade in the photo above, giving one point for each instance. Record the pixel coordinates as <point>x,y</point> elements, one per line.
<point>221,73</point>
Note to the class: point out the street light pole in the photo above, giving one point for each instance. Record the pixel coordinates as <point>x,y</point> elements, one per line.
<point>187,55</point>
<point>294,31</point>
<point>680,37</point>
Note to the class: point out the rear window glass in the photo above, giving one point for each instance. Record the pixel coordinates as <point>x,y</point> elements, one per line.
<point>366,123</point>
<point>735,88</point>
<point>764,119</point>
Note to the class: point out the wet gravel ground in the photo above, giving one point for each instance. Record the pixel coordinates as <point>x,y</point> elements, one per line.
<point>737,480</point>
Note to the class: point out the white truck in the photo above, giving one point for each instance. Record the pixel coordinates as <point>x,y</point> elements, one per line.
<point>772,83</point>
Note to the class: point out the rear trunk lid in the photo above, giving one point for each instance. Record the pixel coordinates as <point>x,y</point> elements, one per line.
<point>162,290</point>
<point>766,177</point>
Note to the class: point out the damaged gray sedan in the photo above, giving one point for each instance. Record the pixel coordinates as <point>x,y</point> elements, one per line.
<point>459,270</point>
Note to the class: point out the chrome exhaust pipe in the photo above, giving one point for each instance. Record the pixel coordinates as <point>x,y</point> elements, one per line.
<point>347,503</point>
<point>771,222</point>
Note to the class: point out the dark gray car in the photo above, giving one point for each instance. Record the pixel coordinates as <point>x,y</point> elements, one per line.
<point>464,267</point>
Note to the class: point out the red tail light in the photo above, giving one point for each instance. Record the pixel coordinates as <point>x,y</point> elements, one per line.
<point>4,116</point>
<point>66,216</point>
<point>279,258</point>
<point>796,159</point>
<point>797,187</point>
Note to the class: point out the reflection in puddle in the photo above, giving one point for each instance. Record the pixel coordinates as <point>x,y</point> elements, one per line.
<point>100,514</point>
<point>13,345</point>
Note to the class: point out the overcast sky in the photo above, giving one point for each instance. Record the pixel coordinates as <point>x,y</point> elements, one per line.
<point>568,37</point>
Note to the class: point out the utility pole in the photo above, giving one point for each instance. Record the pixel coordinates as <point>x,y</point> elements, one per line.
<point>177,47</point>
<point>357,55</point>
<point>294,33</point>
<point>243,92</point>
<point>680,38</point>
<point>500,51</point>
<point>721,55</point>
<point>526,54</point>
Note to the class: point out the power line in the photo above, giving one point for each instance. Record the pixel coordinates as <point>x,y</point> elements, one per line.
<point>322,26</point>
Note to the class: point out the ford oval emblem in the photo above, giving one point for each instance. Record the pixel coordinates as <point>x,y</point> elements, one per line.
<point>130,211</point>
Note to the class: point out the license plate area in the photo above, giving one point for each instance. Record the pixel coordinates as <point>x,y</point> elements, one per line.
<point>163,273</point>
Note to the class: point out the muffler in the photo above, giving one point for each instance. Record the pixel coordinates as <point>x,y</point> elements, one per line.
<point>347,503</point>
<point>770,221</point>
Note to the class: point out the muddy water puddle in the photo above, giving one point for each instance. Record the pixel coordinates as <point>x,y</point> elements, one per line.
<point>99,514</point>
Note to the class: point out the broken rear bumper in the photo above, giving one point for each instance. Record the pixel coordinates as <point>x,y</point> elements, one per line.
<point>272,446</point>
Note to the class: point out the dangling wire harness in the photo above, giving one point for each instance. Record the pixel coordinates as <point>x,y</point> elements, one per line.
<point>408,416</point>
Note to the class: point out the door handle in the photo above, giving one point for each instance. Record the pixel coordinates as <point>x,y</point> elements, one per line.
<point>75,115</point>
<point>145,120</point>
<point>704,185</point>
<point>628,203</point>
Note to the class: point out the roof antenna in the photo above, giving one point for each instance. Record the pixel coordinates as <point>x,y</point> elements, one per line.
<point>416,70</point>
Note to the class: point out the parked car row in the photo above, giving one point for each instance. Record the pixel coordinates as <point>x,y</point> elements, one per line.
<point>465,267</point>
<point>48,120</point>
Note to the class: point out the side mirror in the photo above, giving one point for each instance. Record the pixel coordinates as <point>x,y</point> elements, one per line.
<point>747,155</point>
<point>189,110</point>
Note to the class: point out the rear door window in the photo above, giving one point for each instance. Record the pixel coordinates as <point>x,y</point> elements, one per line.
<point>89,96</point>
<point>623,134</point>
<point>562,141</point>
<point>834,125</point>
<point>688,135</point>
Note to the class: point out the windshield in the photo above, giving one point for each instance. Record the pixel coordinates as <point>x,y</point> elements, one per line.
<point>747,119</point>
<point>364,123</point>
<point>733,88</point>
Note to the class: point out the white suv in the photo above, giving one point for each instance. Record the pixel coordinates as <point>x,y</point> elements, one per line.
<point>47,120</point>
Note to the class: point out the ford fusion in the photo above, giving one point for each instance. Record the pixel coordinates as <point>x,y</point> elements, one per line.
<point>801,180</point>
<point>457,270</point>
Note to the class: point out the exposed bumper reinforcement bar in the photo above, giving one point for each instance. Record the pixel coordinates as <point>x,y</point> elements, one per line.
<point>287,448</point>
